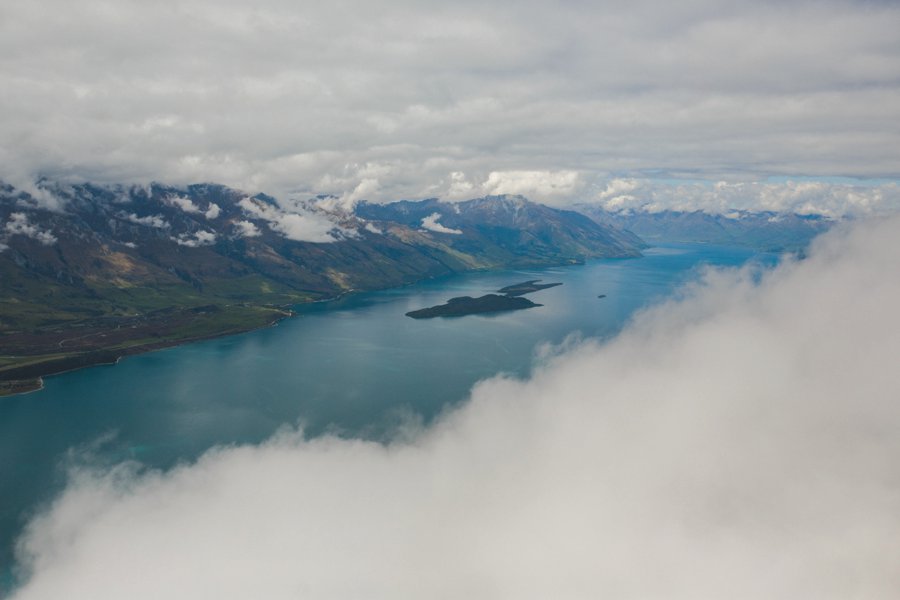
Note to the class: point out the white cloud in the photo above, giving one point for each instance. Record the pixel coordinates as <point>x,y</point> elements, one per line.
<point>355,182</point>
<point>304,228</point>
<point>618,194</point>
<point>18,225</point>
<point>196,239</point>
<point>212,211</point>
<point>295,221</point>
<point>372,229</point>
<point>553,187</point>
<point>365,188</point>
<point>185,204</point>
<point>831,199</point>
<point>540,185</point>
<point>431,224</point>
<point>258,208</point>
<point>156,221</point>
<point>740,443</point>
<point>618,187</point>
<point>460,187</point>
<point>247,229</point>
<point>39,195</point>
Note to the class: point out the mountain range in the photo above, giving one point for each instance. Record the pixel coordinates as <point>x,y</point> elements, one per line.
<point>765,230</point>
<point>89,273</point>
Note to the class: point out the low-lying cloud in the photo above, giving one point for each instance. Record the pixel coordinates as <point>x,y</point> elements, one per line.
<point>246,229</point>
<point>830,199</point>
<point>212,211</point>
<point>187,205</point>
<point>295,221</point>
<point>546,186</point>
<point>431,224</point>
<point>740,442</point>
<point>196,239</point>
<point>156,221</point>
<point>18,224</point>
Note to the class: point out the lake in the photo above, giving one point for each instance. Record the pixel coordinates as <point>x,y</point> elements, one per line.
<point>356,366</point>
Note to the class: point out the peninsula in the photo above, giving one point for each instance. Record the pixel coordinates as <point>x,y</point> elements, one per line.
<point>526,287</point>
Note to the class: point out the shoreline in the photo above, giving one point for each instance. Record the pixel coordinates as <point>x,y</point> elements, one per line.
<point>110,357</point>
<point>99,358</point>
<point>19,387</point>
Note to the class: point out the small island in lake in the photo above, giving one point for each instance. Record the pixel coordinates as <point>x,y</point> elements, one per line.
<point>466,305</point>
<point>526,287</point>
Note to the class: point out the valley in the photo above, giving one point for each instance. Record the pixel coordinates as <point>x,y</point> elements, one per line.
<point>110,271</point>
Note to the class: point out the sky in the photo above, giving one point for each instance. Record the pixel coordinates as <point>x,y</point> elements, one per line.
<point>392,100</point>
<point>739,442</point>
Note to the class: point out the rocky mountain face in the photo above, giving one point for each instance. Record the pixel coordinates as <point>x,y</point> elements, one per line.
<point>510,230</point>
<point>766,231</point>
<point>90,269</point>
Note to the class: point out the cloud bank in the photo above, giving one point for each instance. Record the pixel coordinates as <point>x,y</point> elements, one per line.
<point>391,100</point>
<point>739,442</point>
<point>831,199</point>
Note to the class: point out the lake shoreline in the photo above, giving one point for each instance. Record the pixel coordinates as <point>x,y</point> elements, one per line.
<point>34,381</point>
<point>33,374</point>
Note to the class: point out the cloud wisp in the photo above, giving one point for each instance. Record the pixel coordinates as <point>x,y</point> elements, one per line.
<point>739,442</point>
<point>156,221</point>
<point>196,239</point>
<point>431,224</point>
<point>18,224</point>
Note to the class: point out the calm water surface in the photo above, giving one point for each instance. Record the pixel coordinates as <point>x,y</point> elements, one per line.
<point>353,366</point>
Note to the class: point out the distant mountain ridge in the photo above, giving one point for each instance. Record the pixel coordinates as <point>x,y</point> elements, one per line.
<point>764,230</point>
<point>116,269</point>
<point>510,226</point>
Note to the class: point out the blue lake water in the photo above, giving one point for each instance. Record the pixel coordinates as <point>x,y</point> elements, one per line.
<point>355,365</point>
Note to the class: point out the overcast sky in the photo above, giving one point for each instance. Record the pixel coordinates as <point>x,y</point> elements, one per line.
<point>388,100</point>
